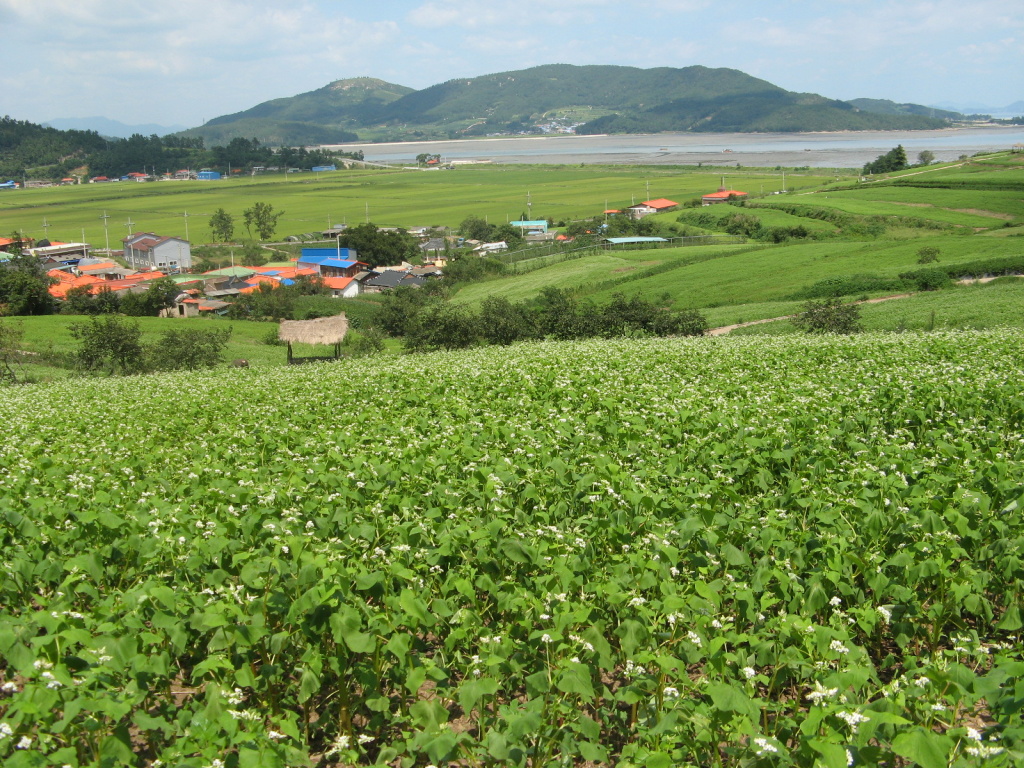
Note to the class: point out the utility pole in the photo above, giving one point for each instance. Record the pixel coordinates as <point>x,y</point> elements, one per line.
<point>529,206</point>
<point>648,183</point>
<point>186,224</point>
<point>46,229</point>
<point>367,211</point>
<point>106,235</point>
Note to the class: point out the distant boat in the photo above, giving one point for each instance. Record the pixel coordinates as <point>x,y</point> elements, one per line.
<point>727,150</point>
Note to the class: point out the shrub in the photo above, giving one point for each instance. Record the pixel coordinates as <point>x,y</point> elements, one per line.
<point>931,279</point>
<point>187,349</point>
<point>829,316</point>
<point>928,254</point>
<point>110,344</point>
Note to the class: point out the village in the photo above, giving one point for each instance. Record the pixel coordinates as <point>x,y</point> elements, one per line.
<point>76,269</point>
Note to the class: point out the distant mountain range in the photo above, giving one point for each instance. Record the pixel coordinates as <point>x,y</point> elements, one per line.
<point>1010,110</point>
<point>111,128</point>
<point>559,97</point>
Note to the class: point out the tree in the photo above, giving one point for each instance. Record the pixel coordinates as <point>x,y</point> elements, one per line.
<point>928,254</point>
<point>829,316</point>
<point>475,228</point>
<point>109,343</point>
<point>187,349</point>
<point>893,160</point>
<point>222,226</point>
<point>926,157</point>
<point>263,218</point>
<point>378,247</point>
<point>24,287</point>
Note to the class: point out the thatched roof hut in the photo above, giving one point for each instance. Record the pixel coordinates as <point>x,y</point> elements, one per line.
<point>322,330</point>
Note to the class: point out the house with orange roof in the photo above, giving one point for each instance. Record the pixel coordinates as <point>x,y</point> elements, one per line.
<point>343,287</point>
<point>646,208</point>
<point>723,195</point>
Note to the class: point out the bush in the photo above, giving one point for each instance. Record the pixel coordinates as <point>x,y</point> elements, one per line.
<point>365,343</point>
<point>931,279</point>
<point>850,285</point>
<point>110,344</point>
<point>187,349</point>
<point>928,254</point>
<point>829,316</point>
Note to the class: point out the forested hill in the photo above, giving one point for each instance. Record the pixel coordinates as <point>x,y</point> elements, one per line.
<point>594,99</point>
<point>31,151</point>
<point>25,145</point>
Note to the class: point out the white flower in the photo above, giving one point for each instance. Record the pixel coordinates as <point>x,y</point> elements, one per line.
<point>636,602</point>
<point>670,692</point>
<point>5,731</point>
<point>838,647</point>
<point>852,719</point>
<point>885,613</point>
<point>276,735</point>
<point>363,738</point>
<point>24,743</point>
<point>820,694</point>
<point>546,638</point>
<point>694,638</point>
<point>973,734</point>
<point>835,602</point>
<point>764,746</point>
<point>9,687</point>
<point>849,758</point>
<point>749,672</point>
<point>340,744</point>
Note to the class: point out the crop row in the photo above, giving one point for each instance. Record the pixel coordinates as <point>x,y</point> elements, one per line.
<point>670,552</point>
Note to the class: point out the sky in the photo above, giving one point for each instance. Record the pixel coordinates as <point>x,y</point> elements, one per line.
<point>188,61</point>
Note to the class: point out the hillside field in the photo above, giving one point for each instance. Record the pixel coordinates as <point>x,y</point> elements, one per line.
<point>732,551</point>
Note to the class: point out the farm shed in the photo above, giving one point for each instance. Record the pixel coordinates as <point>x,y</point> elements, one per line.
<point>321,331</point>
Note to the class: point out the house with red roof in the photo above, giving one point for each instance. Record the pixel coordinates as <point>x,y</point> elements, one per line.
<point>646,208</point>
<point>343,287</point>
<point>723,195</point>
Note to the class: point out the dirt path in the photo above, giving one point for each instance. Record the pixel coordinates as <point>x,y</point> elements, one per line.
<point>725,329</point>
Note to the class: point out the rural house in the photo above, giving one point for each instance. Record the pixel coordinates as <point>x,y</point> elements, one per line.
<point>331,262</point>
<point>723,195</point>
<point>648,207</point>
<point>147,250</point>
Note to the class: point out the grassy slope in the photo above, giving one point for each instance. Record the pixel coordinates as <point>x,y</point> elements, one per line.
<point>50,334</point>
<point>967,307</point>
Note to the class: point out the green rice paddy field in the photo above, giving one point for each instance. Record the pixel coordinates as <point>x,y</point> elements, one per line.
<point>387,198</point>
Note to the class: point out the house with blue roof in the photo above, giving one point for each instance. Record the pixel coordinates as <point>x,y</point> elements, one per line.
<point>331,262</point>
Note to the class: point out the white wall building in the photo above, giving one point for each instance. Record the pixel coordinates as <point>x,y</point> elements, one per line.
<point>167,254</point>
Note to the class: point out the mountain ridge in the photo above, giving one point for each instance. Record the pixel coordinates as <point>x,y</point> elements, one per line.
<point>550,97</point>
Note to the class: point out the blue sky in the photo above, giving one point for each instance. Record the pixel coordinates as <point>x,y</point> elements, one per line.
<point>186,61</point>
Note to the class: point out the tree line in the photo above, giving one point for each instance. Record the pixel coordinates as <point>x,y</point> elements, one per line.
<point>28,149</point>
<point>426,320</point>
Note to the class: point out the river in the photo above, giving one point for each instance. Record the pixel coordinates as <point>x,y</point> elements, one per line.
<point>849,149</point>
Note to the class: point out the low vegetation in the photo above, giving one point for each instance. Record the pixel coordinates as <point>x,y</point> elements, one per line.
<point>645,552</point>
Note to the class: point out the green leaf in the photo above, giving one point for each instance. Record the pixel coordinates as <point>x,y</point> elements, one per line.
<point>1011,619</point>
<point>729,699</point>
<point>832,755</point>
<point>924,747</point>
<point>576,679</point>
<point>309,684</point>
<point>415,608</point>
<point>474,689</point>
